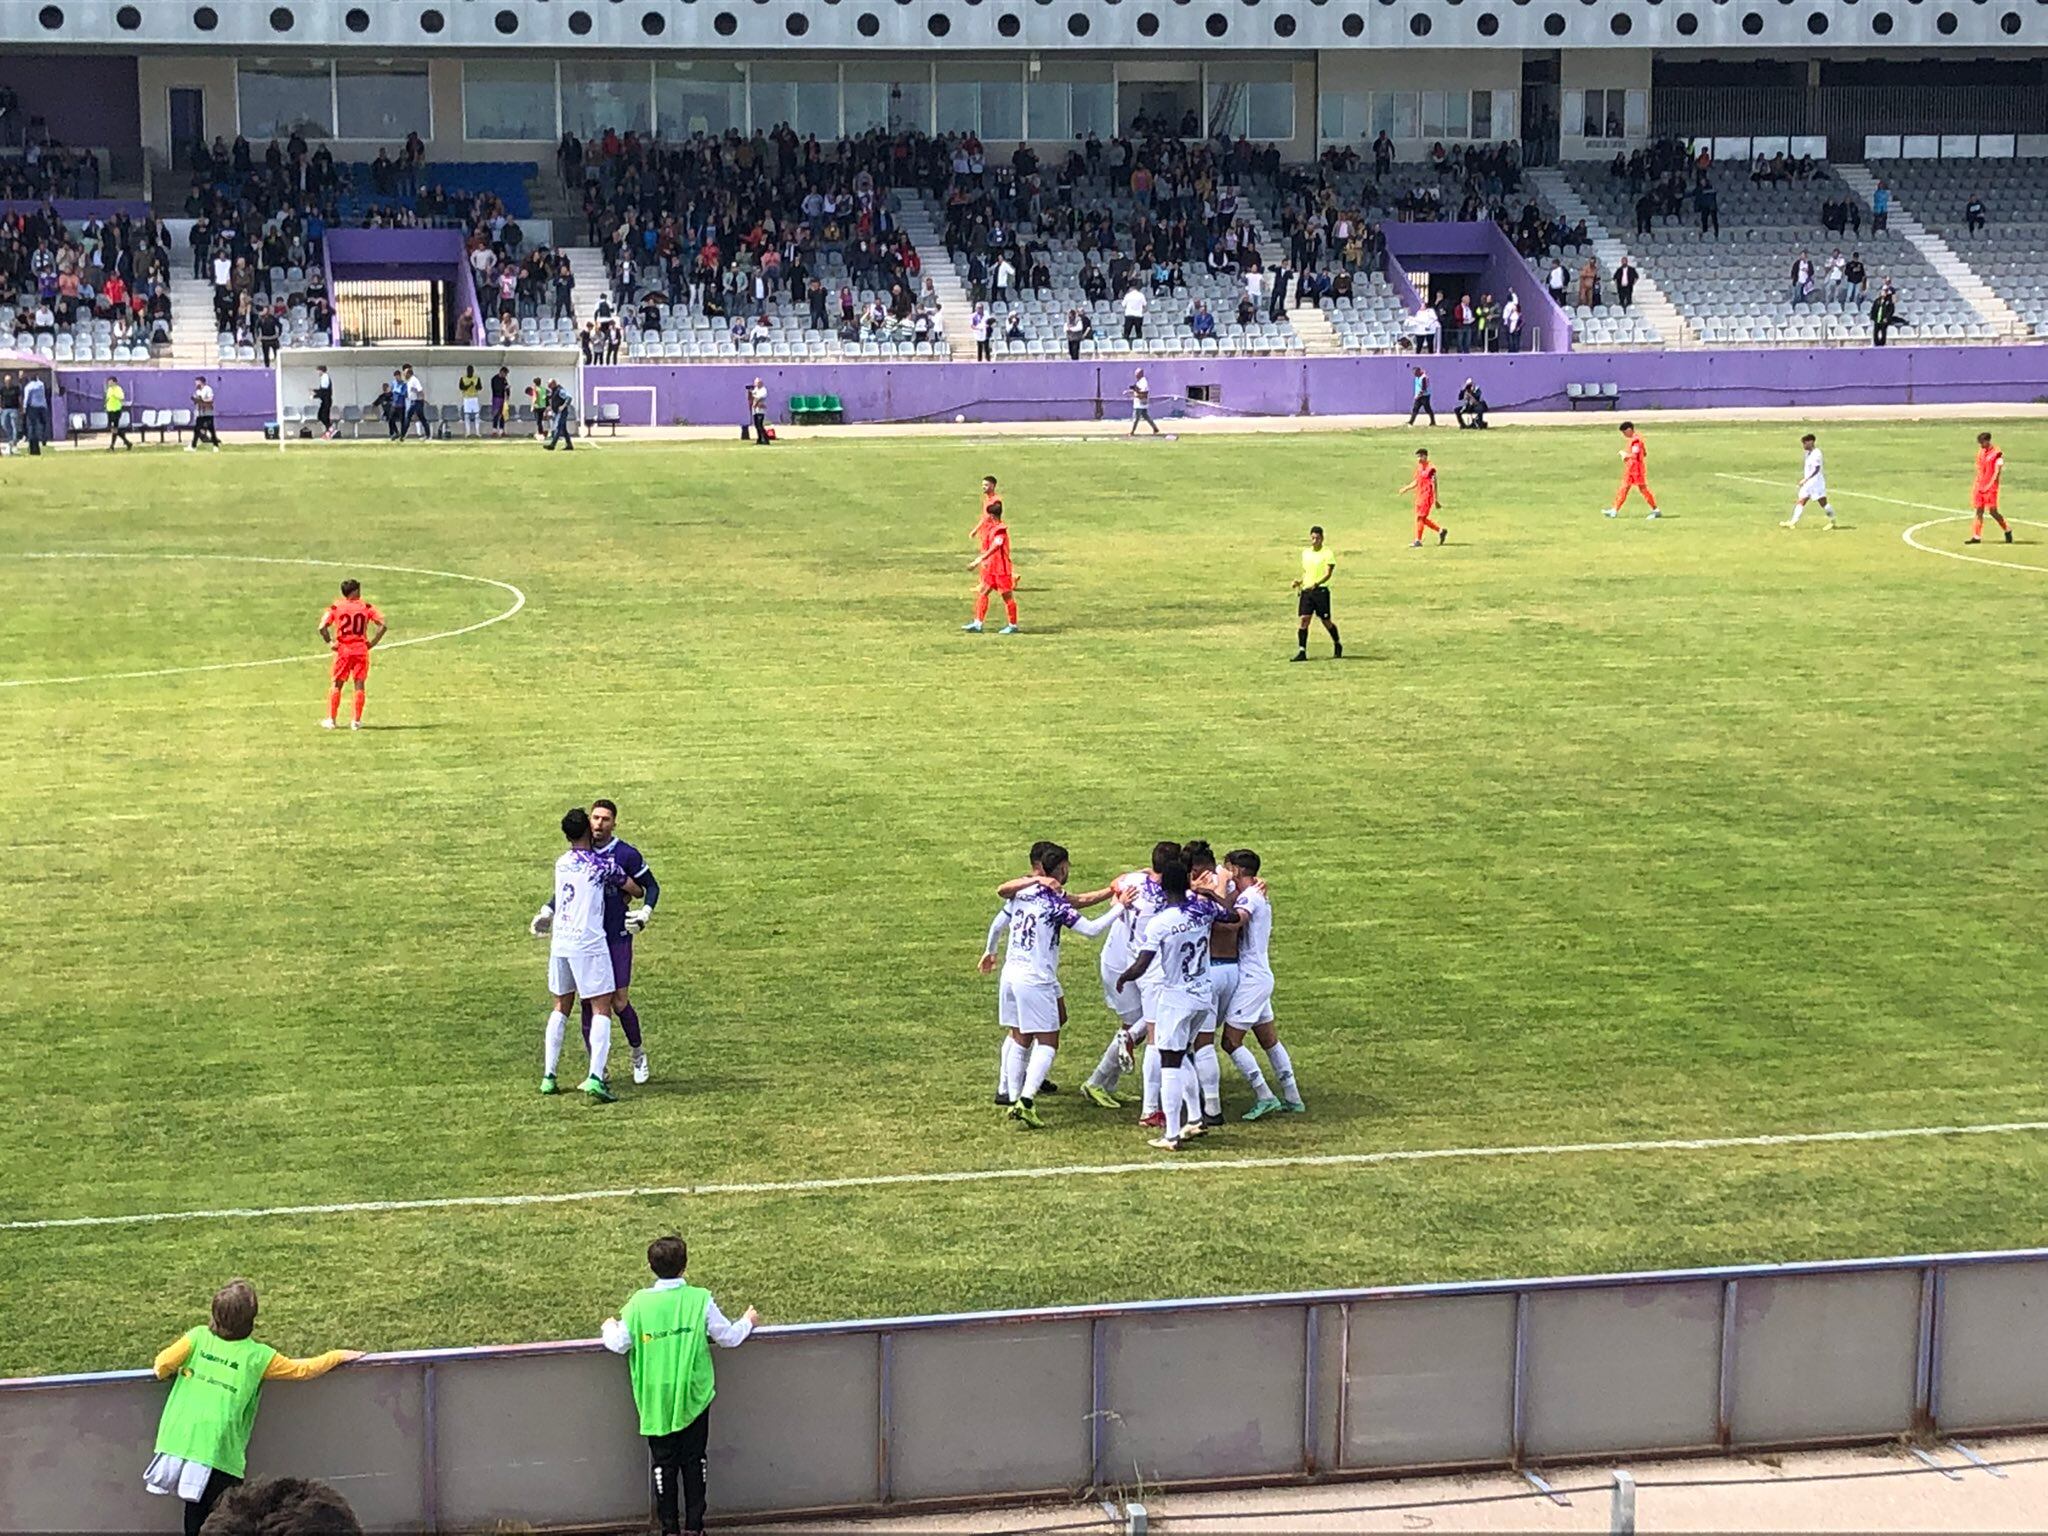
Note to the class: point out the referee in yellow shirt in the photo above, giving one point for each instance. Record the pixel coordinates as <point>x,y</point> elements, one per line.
<point>1317,567</point>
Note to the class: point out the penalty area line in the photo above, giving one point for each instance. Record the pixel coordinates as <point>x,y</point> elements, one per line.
<point>1003,1175</point>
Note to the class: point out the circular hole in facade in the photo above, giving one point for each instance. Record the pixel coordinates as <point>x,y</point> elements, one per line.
<point>1553,25</point>
<point>507,22</point>
<point>580,23</point>
<point>1283,26</point>
<point>1816,24</point>
<point>1621,24</point>
<point>357,20</point>
<point>869,24</point>
<point>206,18</point>
<point>51,17</point>
<point>796,23</point>
<point>1881,23</point>
<point>725,23</point>
<point>1488,25</point>
<point>1354,25</point>
<point>281,19</point>
<point>1148,25</point>
<point>128,19</point>
<point>1687,23</point>
<point>1752,24</point>
<point>1215,25</point>
<point>432,21</point>
<point>1077,25</point>
<point>654,23</point>
<point>2009,23</point>
<point>1418,26</point>
<point>1945,23</point>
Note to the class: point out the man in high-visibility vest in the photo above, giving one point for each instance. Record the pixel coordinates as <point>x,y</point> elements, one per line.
<point>216,1373</point>
<point>666,1332</point>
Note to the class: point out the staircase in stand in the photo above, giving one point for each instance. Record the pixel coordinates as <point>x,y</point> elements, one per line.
<point>195,339</point>
<point>1318,336</point>
<point>592,282</point>
<point>916,220</point>
<point>1941,256</point>
<point>1649,300</point>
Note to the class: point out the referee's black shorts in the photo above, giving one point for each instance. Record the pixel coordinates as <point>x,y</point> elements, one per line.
<point>1315,602</point>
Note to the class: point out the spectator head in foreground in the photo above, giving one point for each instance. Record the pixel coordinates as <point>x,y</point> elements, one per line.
<point>282,1506</point>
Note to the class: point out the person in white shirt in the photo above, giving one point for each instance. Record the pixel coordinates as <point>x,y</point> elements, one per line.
<point>1141,399</point>
<point>579,952</point>
<point>1429,329</point>
<point>977,327</point>
<point>1250,1007</point>
<point>1030,1004</point>
<point>1003,281</point>
<point>1177,940</point>
<point>1813,485</point>
<point>1141,897</point>
<point>1135,303</point>
<point>1511,323</point>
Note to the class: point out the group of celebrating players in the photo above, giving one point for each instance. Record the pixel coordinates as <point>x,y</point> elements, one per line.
<point>1186,959</point>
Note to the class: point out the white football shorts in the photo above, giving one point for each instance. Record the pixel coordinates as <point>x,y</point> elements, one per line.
<point>586,975</point>
<point>1029,1007</point>
<point>1178,1019</point>
<point>1223,980</point>
<point>1252,1002</point>
<point>1127,1003</point>
<point>1815,489</point>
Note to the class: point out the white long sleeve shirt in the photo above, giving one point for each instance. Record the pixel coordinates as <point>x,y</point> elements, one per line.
<point>723,1331</point>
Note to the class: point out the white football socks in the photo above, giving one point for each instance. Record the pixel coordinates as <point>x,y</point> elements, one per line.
<point>600,1044</point>
<point>551,1042</point>
<point>1173,1097</point>
<point>1209,1078</point>
<point>1011,1083</point>
<point>1283,1072</point>
<point>1109,1071</point>
<point>1038,1068</point>
<point>1152,1080</point>
<point>1248,1066</point>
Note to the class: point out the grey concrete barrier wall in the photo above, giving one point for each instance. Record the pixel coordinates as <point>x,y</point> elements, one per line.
<point>899,1412</point>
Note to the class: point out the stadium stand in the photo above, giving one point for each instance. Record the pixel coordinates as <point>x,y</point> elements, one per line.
<point>96,293</point>
<point>2010,250</point>
<point>1734,285</point>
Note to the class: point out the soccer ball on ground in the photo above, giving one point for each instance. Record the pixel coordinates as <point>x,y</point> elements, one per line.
<point>959,418</point>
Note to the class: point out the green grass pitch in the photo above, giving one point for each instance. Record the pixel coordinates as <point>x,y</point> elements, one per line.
<point>1603,830</point>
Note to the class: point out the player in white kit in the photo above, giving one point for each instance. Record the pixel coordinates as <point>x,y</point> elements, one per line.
<point>1223,973</point>
<point>579,955</point>
<point>1176,944</point>
<point>1251,1005</point>
<point>1030,1004</point>
<point>1813,485</point>
<point>1132,1004</point>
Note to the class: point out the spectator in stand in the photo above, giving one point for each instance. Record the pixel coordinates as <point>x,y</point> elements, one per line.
<point>1013,332</point>
<point>1078,327</point>
<point>1555,280</point>
<point>565,288</point>
<point>1802,279</point>
<point>1884,314</point>
<point>1854,276</point>
<point>666,1332</point>
<point>1646,208</point>
<point>1973,214</point>
<point>1625,282</point>
<point>1880,209</point>
<point>1201,322</point>
<point>1835,280</point>
<point>1429,329</point>
<point>1134,313</point>
<point>282,1506</point>
<point>217,1372</point>
<point>978,328</point>
<point>1463,320</point>
<point>1511,323</point>
<point>1589,283</point>
<point>1706,203</point>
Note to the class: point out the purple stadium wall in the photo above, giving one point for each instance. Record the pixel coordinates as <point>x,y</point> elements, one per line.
<point>713,393</point>
<point>440,255</point>
<point>1478,248</point>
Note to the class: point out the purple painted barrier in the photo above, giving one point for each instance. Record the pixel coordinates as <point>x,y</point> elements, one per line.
<point>243,398</point>
<point>713,393</point>
<point>75,210</point>
<point>440,255</point>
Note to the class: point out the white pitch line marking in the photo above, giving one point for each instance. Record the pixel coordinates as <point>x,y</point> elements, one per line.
<point>1953,516</point>
<point>518,602</point>
<point>1000,1175</point>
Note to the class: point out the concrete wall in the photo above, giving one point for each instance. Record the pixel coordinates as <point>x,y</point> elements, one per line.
<point>699,393</point>
<point>866,1415</point>
<point>1061,391</point>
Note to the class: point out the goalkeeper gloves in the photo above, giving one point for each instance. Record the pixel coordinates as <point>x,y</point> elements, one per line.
<point>543,923</point>
<point>636,918</point>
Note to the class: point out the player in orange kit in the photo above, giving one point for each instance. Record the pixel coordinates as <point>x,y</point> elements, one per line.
<point>1424,487</point>
<point>993,535</point>
<point>1984,494</point>
<point>1634,476</point>
<point>352,627</point>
